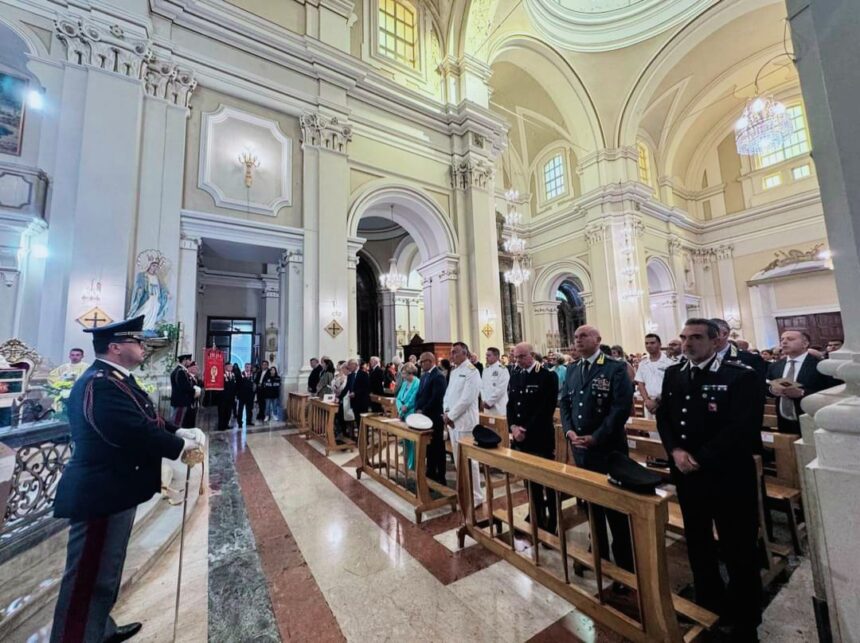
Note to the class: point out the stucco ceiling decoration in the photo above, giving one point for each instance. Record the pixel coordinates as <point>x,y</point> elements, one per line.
<point>604,25</point>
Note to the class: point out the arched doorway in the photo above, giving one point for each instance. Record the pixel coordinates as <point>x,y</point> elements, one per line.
<point>662,299</point>
<point>571,310</point>
<point>367,309</point>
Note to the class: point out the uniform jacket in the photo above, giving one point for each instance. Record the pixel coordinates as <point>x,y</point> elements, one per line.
<point>181,387</point>
<point>461,396</point>
<point>118,446</point>
<point>245,388</point>
<point>713,418</point>
<point>494,388</point>
<point>597,405</point>
<point>808,376</point>
<point>532,398</point>
<point>430,396</point>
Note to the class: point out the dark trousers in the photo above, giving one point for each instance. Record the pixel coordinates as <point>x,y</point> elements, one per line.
<point>246,407</point>
<point>189,420</point>
<point>179,414</point>
<point>261,407</point>
<point>95,555</point>
<point>544,500</point>
<point>728,500</point>
<point>226,411</point>
<point>436,456</point>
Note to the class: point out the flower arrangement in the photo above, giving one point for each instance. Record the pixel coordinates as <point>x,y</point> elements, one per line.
<point>58,391</point>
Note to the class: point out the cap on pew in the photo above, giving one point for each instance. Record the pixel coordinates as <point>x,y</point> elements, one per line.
<point>628,474</point>
<point>485,438</point>
<point>419,421</point>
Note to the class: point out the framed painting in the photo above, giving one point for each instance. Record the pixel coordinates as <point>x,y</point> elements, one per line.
<point>13,92</point>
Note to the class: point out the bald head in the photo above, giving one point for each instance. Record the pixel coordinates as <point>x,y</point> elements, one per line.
<point>523,356</point>
<point>587,340</point>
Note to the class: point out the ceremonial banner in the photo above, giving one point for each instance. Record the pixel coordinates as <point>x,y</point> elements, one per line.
<point>213,371</point>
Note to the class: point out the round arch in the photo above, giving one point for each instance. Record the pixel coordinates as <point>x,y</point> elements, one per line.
<point>660,278</point>
<point>17,44</point>
<point>670,54</point>
<point>549,68</point>
<point>551,277</point>
<point>415,212</point>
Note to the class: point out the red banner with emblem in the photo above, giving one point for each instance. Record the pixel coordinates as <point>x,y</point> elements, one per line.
<point>213,371</point>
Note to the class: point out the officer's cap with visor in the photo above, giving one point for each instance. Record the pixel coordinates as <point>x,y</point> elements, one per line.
<point>116,333</point>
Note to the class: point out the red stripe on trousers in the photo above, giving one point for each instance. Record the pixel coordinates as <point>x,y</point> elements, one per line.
<point>85,581</point>
<point>178,415</point>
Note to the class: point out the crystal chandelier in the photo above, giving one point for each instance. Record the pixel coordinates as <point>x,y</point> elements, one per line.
<point>514,245</point>
<point>763,127</point>
<point>392,280</point>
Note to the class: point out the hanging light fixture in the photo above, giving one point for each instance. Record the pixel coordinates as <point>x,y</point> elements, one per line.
<point>514,245</point>
<point>764,125</point>
<point>393,280</point>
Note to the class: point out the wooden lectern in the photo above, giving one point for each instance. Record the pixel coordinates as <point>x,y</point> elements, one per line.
<point>442,350</point>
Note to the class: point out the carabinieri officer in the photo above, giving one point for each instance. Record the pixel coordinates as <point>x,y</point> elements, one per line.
<point>596,399</point>
<point>710,409</point>
<point>118,443</point>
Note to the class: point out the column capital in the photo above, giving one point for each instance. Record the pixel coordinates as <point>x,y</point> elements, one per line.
<point>675,244</point>
<point>444,267</point>
<point>105,47</point>
<point>472,172</point>
<point>545,307</point>
<point>189,243</point>
<point>595,233</point>
<point>167,81</point>
<point>271,289</point>
<point>325,132</point>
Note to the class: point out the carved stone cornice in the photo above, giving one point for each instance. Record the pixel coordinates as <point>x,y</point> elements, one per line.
<point>469,173</point>
<point>165,80</point>
<point>545,307</point>
<point>108,48</point>
<point>724,252</point>
<point>676,245</point>
<point>189,243</point>
<point>595,233</point>
<point>703,256</point>
<point>271,289</point>
<point>325,132</point>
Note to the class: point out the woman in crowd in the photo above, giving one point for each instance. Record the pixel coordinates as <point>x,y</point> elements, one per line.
<point>617,353</point>
<point>272,394</point>
<point>324,386</point>
<point>339,381</point>
<point>406,406</point>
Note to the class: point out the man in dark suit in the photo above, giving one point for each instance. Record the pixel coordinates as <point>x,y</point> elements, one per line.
<point>315,374</point>
<point>596,399</point>
<point>119,441</point>
<point>181,389</point>
<point>708,411</point>
<point>798,366</point>
<point>377,382</point>
<point>532,397</point>
<point>358,389</point>
<point>259,375</point>
<point>473,357</point>
<point>429,401</point>
<point>245,394</point>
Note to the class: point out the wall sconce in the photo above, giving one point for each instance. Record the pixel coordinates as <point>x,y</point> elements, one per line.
<point>250,162</point>
<point>489,317</point>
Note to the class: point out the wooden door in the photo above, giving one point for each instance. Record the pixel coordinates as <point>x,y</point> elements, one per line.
<point>821,327</point>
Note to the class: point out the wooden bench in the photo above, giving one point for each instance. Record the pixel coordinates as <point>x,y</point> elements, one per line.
<point>320,426</point>
<point>498,424</point>
<point>783,487</point>
<point>656,615</point>
<point>297,407</point>
<point>388,404</point>
<point>379,449</point>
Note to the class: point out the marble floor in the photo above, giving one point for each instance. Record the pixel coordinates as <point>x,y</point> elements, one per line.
<point>289,546</point>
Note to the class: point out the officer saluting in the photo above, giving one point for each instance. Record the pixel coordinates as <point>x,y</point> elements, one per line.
<point>595,403</point>
<point>709,410</point>
<point>532,395</point>
<point>119,441</point>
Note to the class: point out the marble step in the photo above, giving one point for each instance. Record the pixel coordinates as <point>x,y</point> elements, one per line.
<point>28,599</point>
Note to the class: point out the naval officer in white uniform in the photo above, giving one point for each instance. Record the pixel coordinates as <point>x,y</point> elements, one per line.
<point>460,406</point>
<point>494,385</point>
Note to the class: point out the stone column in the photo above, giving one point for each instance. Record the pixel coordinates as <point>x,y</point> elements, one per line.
<point>271,319</point>
<point>388,318</point>
<point>186,294</point>
<point>703,265</point>
<point>439,280</point>
<point>679,272</point>
<point>325,203</point>
<point>290,325</point>
<point>353,246</point>
<point>824,33</point>
<point>731,310</point>
<point>545,314</point>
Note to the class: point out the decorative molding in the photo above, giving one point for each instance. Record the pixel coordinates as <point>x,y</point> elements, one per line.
<point>325,132</point>
<point>595,233</point>
<point>471,173</point>
<point>676,245</point>
<point>217,226</point>
<point>793,256</point>
<point>210,150</point>
<point>23,190</point>
<point>189,243</point>
<point>103,47</point>
<point>165,80</point>
<point>724,252</point>
<point>607,155</point>
<point>545,307</point>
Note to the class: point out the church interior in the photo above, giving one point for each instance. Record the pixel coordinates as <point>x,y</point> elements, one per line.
<point>297,183</point>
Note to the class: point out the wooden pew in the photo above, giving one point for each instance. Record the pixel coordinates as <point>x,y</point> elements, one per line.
<point>498,424</point>
<point>320,426</point>
<point>297,407</point>
<point>379,449</point>
<point>783,488</point>
<point>657,607</point>
<point>388,404</point>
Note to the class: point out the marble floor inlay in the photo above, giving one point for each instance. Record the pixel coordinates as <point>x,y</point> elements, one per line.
<point>239,605</point>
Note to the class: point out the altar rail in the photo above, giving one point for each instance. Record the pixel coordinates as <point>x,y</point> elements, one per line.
<point>647,515</point>
<point>41,452</point>
<point>320,426</point>
<point>379,445</point>
<point>297,407</point>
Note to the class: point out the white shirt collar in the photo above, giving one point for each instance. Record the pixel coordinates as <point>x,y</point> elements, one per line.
<point>591,359</point>
<point>121,369</point>
<point>798,361</point>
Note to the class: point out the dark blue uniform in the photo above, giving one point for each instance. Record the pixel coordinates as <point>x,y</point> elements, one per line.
<point>429,401</point>
<point>713,415</point>
<point>598,403</point>
<point>532,396</point>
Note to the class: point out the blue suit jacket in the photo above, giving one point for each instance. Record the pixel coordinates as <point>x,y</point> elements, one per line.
<point>431,392</point>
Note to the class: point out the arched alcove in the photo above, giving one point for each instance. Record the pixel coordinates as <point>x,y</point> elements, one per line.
<point>662,297</point>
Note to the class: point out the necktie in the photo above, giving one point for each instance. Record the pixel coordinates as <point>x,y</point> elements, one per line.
<point>786,404</point>
<point>586,365</point>
<point>694,373</point>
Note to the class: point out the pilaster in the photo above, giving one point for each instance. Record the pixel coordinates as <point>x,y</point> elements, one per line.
<point>291,319</point>
<point>186,295</point>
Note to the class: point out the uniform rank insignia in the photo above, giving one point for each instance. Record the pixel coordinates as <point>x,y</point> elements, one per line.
<point>601,384</point>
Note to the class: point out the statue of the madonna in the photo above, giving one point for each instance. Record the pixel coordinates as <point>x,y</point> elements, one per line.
<point>149,297</point>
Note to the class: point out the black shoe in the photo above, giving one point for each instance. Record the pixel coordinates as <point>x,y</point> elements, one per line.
<point>124,632</point>
<point>619,589</point>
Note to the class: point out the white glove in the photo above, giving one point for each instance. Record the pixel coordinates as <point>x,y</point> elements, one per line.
<point>189,445</point>
<point>192,434</point>
<point>197,391</point>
